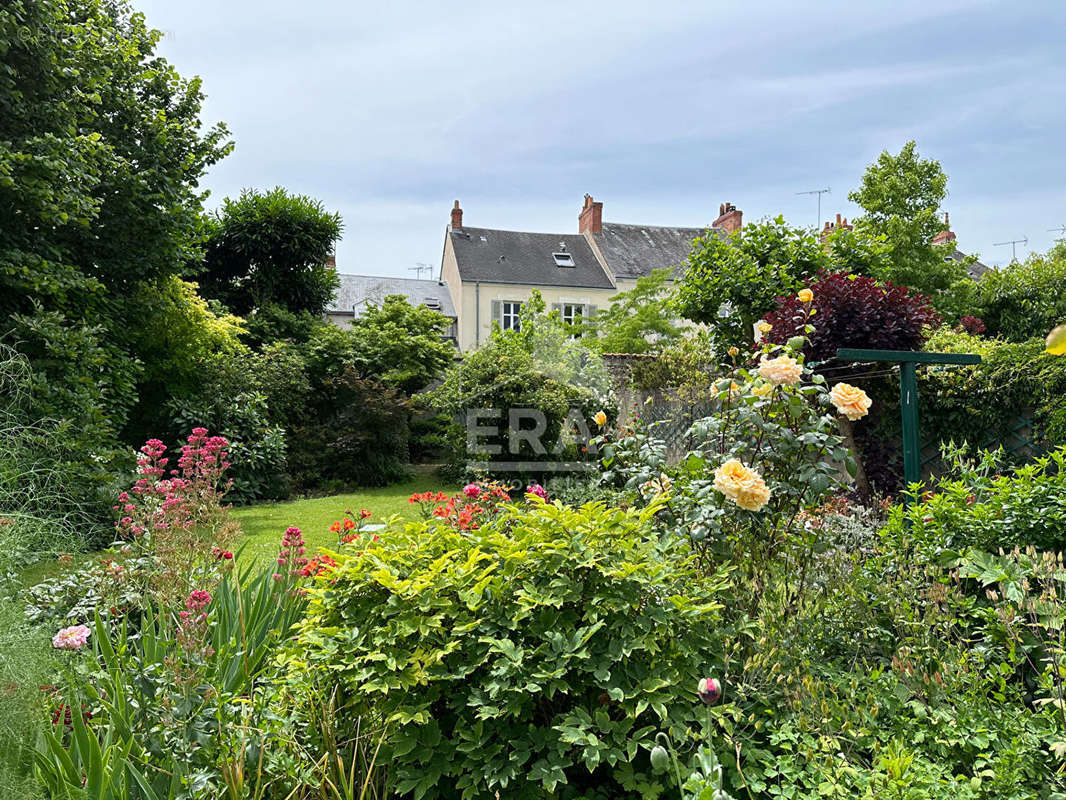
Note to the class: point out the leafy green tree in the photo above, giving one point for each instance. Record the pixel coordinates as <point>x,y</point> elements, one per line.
<point>639,320</point>
<point>1024,300</point>
<point>271,249</point>
<point>730,283</point>
<point>901,195</point>
<point>101,152</point>
<point>402,345</point>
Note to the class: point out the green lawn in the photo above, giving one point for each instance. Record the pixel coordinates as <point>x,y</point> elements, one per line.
<point>264,524</point>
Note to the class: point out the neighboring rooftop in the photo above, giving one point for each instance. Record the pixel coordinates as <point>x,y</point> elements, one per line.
<point>632,251</point>
<point>540,259</point>
<point>357,291</point>
<point>976,269</point>
<point>488,255</point>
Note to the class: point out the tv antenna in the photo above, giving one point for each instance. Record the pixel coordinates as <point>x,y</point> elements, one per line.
<point>1013,246</point>
<point>1060,229</point>
<point>421,267</point>
<point>818,192</point>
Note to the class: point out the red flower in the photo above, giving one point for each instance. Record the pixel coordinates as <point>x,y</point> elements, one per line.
<point>364,513</point>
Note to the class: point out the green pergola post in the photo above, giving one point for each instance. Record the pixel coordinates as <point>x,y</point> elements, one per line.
<point>908,405</point>
<point>908,395</point>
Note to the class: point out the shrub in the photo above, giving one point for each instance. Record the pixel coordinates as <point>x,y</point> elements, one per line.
<point>1024,300</point>
<point>535,657</point>
<point>981,404</point>
<point>769,448</point>
<point>854,311</point>
<point>355,434</point>
<point>229,399</point>
<point>976,507</point>
<point>539,369</point>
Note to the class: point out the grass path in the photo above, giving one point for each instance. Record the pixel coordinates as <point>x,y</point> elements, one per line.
<point>264,524</point>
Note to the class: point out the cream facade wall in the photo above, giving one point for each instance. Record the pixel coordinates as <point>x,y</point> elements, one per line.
<point>476,318</point>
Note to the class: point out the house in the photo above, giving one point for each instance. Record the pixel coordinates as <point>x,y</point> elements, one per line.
<point>356,292</point>
<point>976,269</point>
<point>490,273</point>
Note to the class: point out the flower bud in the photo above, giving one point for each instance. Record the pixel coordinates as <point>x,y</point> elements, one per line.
<point>710,690</point>
<point>660,759</point>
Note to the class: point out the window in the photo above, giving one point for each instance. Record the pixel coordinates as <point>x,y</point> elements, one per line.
<point>509,312</point>
<point>563,259</point>
<point>572,313</point>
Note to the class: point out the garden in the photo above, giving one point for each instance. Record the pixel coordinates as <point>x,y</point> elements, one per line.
<point>247,554</point>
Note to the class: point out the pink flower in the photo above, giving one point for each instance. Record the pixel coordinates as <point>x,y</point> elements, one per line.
<point>709,690</point>
<point>472,490</point>
<point>538,490</point>
<point>72,638</point>
<point>197,600</point>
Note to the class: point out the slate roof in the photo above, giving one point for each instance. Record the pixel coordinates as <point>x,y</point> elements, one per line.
<point>356,291</point>
<point>976,269</point>
<point>492,256</point>
<point>633,251</point>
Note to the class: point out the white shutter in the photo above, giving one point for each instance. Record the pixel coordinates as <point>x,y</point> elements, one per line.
<point>497,312</point>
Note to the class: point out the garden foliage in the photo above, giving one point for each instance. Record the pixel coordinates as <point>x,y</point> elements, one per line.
<point>854,311</point>
<point>535,657</point>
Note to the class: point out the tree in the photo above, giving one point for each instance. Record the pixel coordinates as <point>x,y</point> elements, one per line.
<point>854,311</point>
<point>639,320</point>
<point>401,345</point>
<point>101,152</point>
<point>730,283</point>
<point>271,249</point>
<point>901,196</point>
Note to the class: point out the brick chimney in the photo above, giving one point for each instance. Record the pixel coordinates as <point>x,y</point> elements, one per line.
<point>831,227</point>
<point>945,235</point>
<point>457,217</point>
<point>590,220</point>
<point>729,218</point>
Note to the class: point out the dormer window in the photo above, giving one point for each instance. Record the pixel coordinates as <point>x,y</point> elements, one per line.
<point>563,259</point>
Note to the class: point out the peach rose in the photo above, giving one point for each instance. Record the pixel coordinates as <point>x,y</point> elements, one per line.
<point>742,485</point>
<point>752,493</point>
<point>850,401</point>
<point>783,369</point>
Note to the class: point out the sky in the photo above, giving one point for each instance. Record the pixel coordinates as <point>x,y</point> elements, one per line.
<point>389,112</point>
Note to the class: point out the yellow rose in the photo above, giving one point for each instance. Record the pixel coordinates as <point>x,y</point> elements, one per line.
<point>850,401</point>
<point>752,493</point>
<point>783,369</point>
<point>742,485</point>
<point>734,351</point>
<point>805,295</point>
<point>600,418</point>
<point>727,477</point>
<point>761,389</point>
<point>765,327</point>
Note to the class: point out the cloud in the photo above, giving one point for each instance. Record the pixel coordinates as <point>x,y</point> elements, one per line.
<point>388,112</point>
